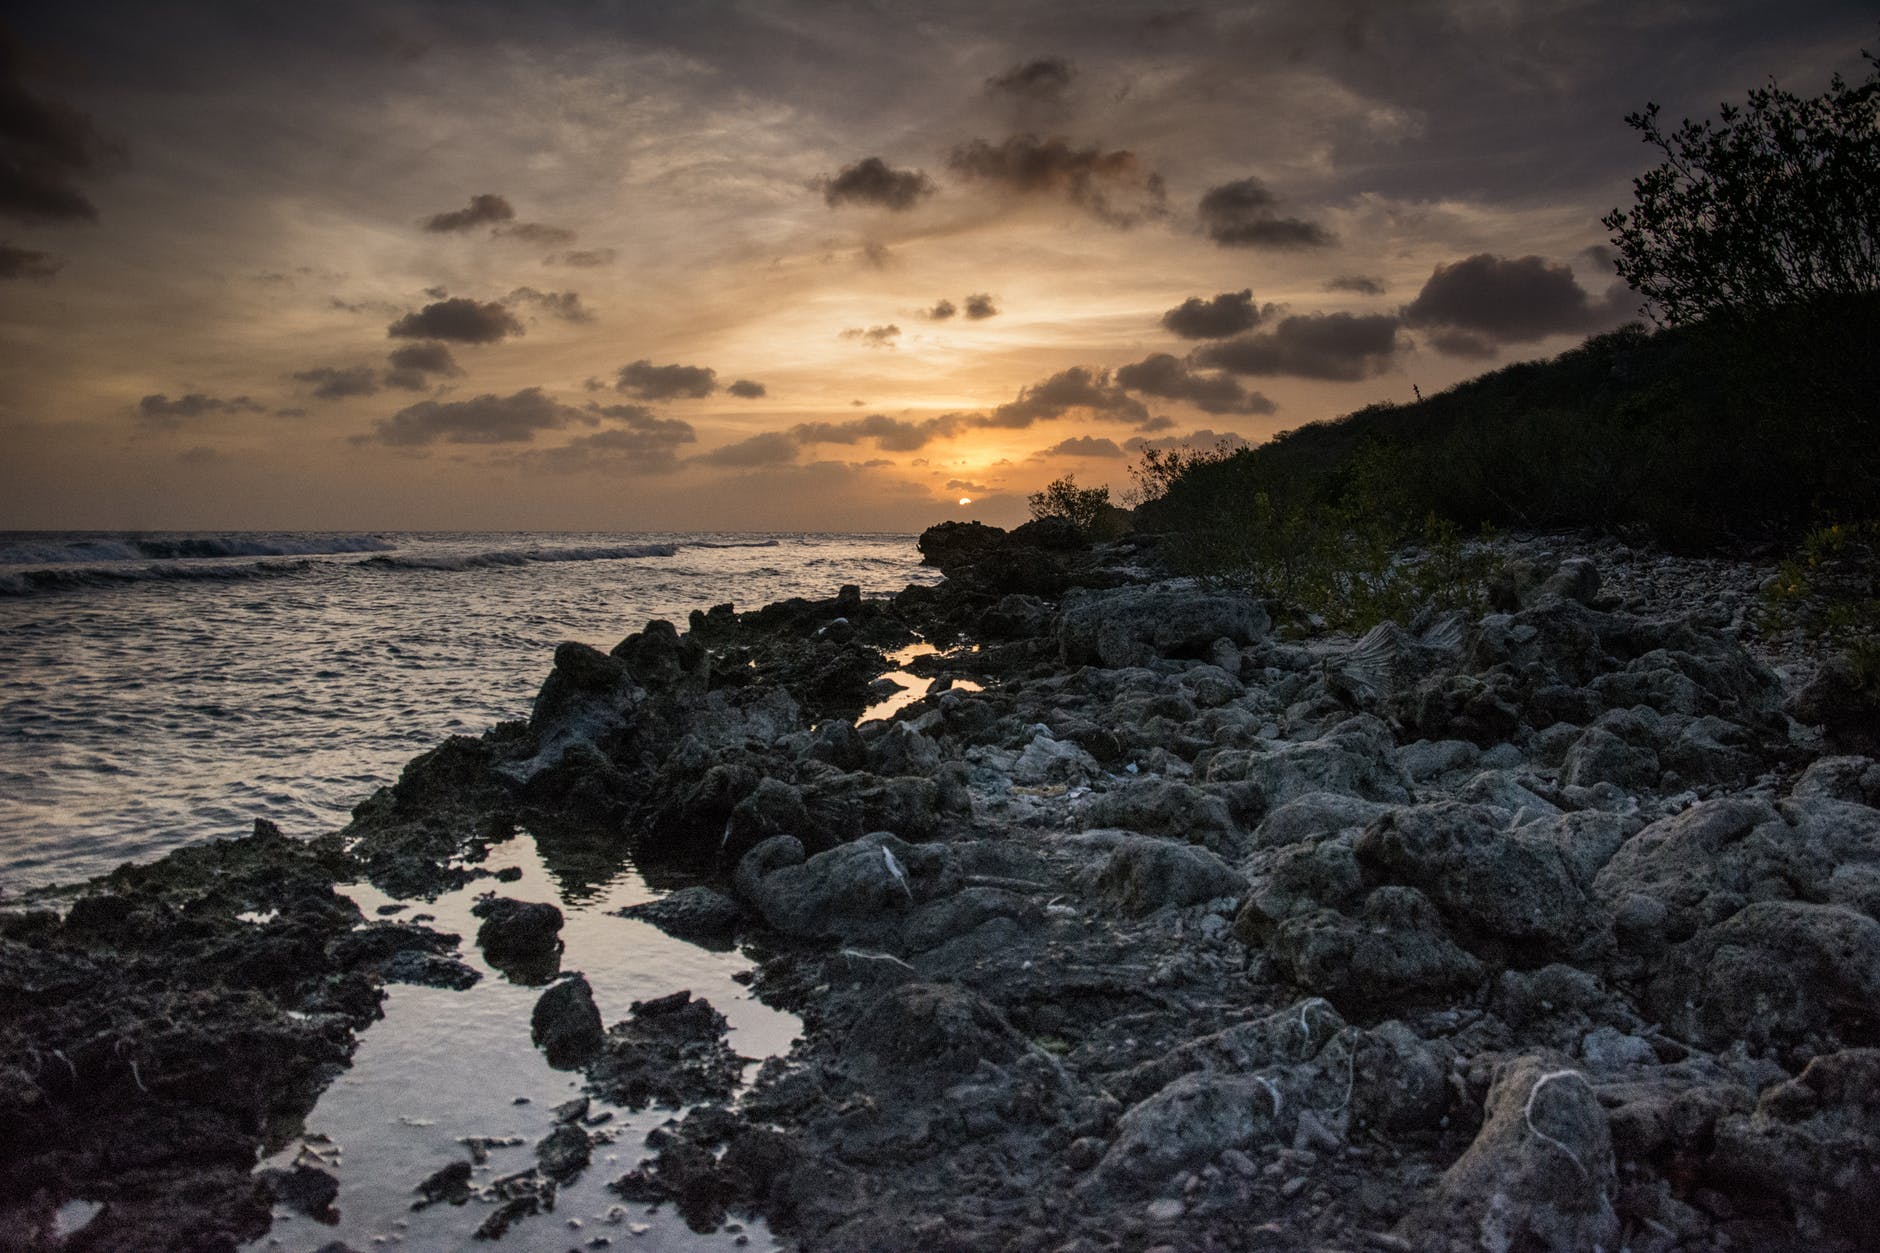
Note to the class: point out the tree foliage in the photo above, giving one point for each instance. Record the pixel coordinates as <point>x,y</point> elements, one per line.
<point>1770,206</point>
<point>1062,498</point>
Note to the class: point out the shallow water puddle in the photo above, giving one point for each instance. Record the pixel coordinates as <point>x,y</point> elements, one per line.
<point>445,1066</point>
<point>912,686</point>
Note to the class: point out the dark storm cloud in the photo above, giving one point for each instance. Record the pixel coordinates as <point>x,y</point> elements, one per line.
<point>1241,214</point>
<point>1043,79</point>
<point>1229,313</point>
<point>889,434</point>
<point>1486,299</point>
<point>25,263</point>
<point>942,311</point>
<point>1466,344</point>
<point>1075,388</point>
<point>747,389</point>
<point>485,419</point>
<point>565,305</point>
<point>458,319</point>
<point>45,148</point>
<point>160,409</point>
<point>979,307</point>
<point>1169,377</point>
<point>1362,284</point>
<point>666,382</point>
<point>482,210</point>
<point>872,181</point>
<point>1340,347</point>
<point>772,448</point>
<point>874,336</point>
<point>582,259</point>
<point>1112,186</point>
<point>535,233</point>
<point>1081,446</point>
<point>335,383</point>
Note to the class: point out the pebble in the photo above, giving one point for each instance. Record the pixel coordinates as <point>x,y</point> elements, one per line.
<point>1166,1210</point>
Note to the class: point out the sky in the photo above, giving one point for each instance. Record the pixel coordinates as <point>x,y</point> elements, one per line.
<point>686,265</point>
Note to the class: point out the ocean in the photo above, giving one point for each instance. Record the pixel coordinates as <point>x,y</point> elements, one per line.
<point>159,689</point>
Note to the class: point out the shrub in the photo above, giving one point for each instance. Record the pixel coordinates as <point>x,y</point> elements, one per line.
<point>1062,498</point>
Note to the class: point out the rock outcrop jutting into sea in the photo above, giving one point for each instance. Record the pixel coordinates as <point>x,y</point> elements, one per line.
<point>1147,925</point>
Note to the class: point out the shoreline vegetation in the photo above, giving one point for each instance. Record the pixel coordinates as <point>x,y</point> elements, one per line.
<point>1165,915</point>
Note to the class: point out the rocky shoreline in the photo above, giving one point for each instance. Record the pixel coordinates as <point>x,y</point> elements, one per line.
<point>1152,924</point>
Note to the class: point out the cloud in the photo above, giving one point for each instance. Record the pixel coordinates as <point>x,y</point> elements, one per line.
<point>25,263</point>
<point>889,434</point>
<point>979,307</point>
<point>874,336</point>
<point>1111,186</point>
<point>160,409</point>
<point>458,319</point>
<point>1340,347</point>
<point>334,383</point>
<point>200,455</point>
<point>535,233</point>
<point>629,451</point>
<point>1202,439</point>
<point>1229,313</point>
<point>965,485</point>
<point>747,389</point>
<point>412,364</point>
<point>1485,300</point>
<point>942,311</point>
<point>1081,446</point>
<point>582,259</point>
<point>1240,215</point>
<point>875,255</point>
<point>1362,284</point>
<point>1044,79</point>
<point>45,147</point>
<point>771,448</point>
<point>485,419</point>
<point>485,208</point>
<point>1160,374</point>
<point>666,382</point>
<point>872,181</point>
<point>565,305</point>
<point>1075,388</point>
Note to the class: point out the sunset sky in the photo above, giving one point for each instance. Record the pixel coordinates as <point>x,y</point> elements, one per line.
<point>832,266</point>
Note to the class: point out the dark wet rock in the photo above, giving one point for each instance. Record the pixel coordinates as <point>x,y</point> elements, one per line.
<point>917,1031</point>
<point>1811,1149</point>
<point>1164,807</point>
<point>564,1152</point>
<point>1144,874</point>
<point>307,1189</point>
<point>566,1024</point>
<point>669,1052</point>
<point>1133,626</point>
<point>697,914</point>
<point>1355,758</point>
<point>1192,1120</point>
<point>1844,703</point>
<point>428,970</point>
<point>1599,756</point>
<point>952,545</point>
<point>1395,950</point>
<point>1851,779</point>
<point>517,928</point>
<point>447,1184</point>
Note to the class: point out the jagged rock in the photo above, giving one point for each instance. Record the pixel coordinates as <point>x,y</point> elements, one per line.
<point>1539,1175</point>
<point>669,1051</point>
<point>1812,1147</point>
<point>1852,779</point>
<point>854,890</point>
<point>952,545</point>
<point>1395,950</point>
<point>307,1189</point>
<point>1146,874</point>
<point>1355,758</point>
<point>517,929</point>
<point>1599,756</point>
<point>564,1152</point>
<point>1132,626</point>
<point>698,914</point>
<point>1163,807</point>
<point>1191,1121</point>
<point>566,1024</point>
<point>1844,703</point>
<point>922,1033</point>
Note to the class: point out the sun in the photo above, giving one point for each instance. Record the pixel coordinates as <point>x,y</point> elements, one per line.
<point>966,500</point>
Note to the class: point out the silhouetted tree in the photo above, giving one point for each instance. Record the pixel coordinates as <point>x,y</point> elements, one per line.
<point>1772,205</point>
<point>1062,498</point>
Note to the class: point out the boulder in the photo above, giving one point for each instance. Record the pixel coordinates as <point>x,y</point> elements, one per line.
<point>566,1024</point>
<point>1191,1121</point>
<point>1538,1176</point>
<point>517,929</point>
<point>952,545</point>
<point>857,890</point>
<point>1144,874</point>
<point>699,915</point>
<point>1132,626</point>
<point>1357,757</point>
<point>1394,951</point>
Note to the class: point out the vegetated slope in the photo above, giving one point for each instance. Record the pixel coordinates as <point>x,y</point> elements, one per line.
<point>1695,436</point>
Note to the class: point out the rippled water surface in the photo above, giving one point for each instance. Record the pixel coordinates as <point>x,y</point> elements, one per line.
<point>160,689</point>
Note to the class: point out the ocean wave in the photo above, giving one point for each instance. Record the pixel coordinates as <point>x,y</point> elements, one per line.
<point>513,557</point>
<point>77,550</point>
<point>64,578</point>
<point>754,543</point>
